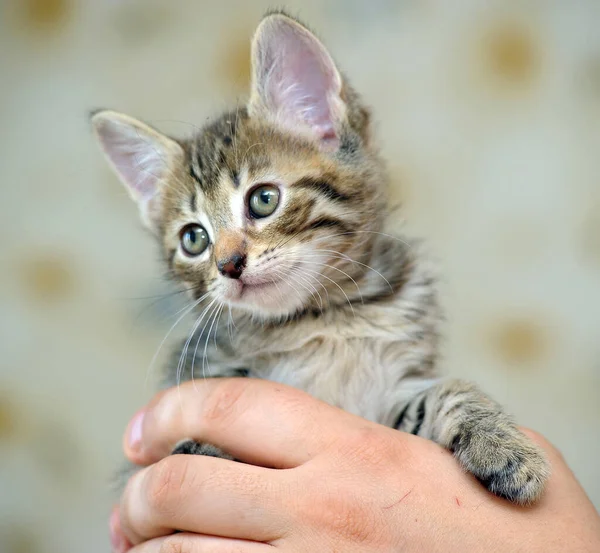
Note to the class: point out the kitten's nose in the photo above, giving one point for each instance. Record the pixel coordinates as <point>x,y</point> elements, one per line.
<point>233,266</point>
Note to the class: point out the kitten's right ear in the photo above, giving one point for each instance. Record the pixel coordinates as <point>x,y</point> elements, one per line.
<point>295,82</point>
<point>141,157</point>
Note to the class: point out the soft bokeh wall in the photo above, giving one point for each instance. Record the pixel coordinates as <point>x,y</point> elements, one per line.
<point>489,113</point>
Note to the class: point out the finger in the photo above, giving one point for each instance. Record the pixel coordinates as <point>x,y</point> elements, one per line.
<point>256,421</point>
<point>193,543</point>
<point>119,543</point>
<point>204,495</point>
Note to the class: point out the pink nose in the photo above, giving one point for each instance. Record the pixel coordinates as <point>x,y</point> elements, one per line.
<point>233,266</point>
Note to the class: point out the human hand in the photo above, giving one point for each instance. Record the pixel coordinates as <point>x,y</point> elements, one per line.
<point>320,479</point>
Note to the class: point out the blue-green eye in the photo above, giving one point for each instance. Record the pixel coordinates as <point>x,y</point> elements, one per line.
<point>263,201</point>
<point>194,240</point>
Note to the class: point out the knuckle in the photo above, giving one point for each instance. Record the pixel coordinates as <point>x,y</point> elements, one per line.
<point>353,523</point>
<point>368,446</point>
<point>225,401</point>
<point>340,516</point>
<point>165,414</point>
<point>175,544</point>
<point>167,482</point>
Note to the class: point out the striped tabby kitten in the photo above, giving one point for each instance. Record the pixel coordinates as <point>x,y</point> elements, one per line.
<point>272,215</point>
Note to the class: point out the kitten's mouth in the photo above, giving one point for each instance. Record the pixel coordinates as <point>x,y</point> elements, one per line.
<point>246,288</point>
<point>249,287</point>
<point>263,289</point>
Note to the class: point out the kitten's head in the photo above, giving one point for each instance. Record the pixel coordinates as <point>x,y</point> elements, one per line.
<point>271,208</point>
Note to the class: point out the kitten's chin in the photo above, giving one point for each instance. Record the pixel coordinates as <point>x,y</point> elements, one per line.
<point>266,299</point>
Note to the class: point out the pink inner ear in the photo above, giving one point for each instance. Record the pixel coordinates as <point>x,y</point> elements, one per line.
<point>301,80</point>
<point>139,178</point>
<point>135,156</point>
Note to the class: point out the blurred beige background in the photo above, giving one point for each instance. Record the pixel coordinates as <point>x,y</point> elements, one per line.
<point>489,113</point>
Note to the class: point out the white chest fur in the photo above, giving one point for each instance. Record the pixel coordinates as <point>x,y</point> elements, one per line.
<point>365,368</point>
<point>362,376</point>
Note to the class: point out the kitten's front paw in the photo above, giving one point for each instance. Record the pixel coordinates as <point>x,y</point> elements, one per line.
<point>505,461</point>
<point>190,447</point>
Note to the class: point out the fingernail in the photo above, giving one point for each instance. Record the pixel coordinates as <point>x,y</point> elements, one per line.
<point>135,431</point>
<point>117,540</point>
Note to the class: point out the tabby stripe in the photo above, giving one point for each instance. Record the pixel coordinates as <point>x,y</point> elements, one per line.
<point>193,205</point>
<point>420,416</point>
<point>441,399</point>
<point>456,407</point>
<point>385,295</point>
<point>235,177</point>
<point>322,187</point>
<point>462,440</point>
<point>195,176</point>
<point>506,470</point>
<point>325,222</point>
<point>401,416</point>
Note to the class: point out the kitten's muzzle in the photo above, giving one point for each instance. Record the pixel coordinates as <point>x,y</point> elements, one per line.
<point>233,266</point>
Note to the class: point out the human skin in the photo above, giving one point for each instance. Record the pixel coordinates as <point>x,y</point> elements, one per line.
<point>317,479</point>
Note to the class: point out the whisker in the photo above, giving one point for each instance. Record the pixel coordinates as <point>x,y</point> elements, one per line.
<point>204,356</point>
<point>277,271</point>
<point>350,232</point>
<point>299,274</point>
<point>186,311</point>
<point>286,240</point>
<point>157,299</point>
<point>287,255</point>
<point>347,258</point>
<point>183,356</point>
<point>245,157</point>
<point>229,323</point>
<point>159,121</point>
<point>293,271</point>
<point>159,296</point>
<point>217,326</point>
<point>341,289</point>
<point>201,334</point>
<point>344,256</point>
<point>336,284</point>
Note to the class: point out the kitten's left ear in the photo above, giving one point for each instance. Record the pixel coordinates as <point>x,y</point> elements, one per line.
<point>295,83</point>
<point>142,158</point>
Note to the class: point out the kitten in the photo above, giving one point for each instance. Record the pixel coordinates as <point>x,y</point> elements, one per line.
<point>273,213</point>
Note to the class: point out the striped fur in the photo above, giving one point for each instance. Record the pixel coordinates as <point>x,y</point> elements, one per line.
<point>345,312</point>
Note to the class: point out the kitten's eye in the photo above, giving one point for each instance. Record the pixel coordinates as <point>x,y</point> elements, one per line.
<point>263,201</point>
<point>194,239</point>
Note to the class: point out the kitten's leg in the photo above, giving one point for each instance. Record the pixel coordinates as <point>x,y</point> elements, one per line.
<point>485,440</point>
<point>190,447</point>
